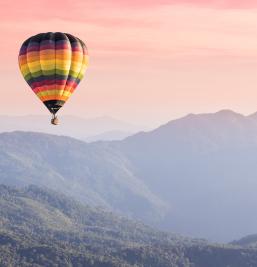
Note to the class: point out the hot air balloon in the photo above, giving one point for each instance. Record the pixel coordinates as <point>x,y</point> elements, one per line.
<point>53,64</point>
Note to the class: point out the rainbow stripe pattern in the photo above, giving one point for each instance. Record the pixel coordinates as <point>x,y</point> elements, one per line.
<point>53,64</point>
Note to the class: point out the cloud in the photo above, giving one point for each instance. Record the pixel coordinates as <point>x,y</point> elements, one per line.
<point>226,4</point>
<point>90,10</point>
<point>230,4</point>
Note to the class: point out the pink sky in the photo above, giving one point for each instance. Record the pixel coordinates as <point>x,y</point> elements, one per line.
<point>150,60</point>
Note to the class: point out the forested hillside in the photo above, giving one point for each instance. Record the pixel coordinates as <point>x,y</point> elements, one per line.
<point>40,227</point>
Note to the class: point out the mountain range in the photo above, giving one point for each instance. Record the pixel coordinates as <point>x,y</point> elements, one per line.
<point>40,227</point>
<point>205,167</point>
<point>87,129</point>
<point>196,176</point>
<point>94,174</point>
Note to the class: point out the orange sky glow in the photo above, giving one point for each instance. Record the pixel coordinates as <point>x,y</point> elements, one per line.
<point>150,60</point>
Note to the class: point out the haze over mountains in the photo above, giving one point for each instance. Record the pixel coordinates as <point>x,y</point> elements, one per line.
<point>91,129</point>
<point>205,167</point>
<point>196,175</point>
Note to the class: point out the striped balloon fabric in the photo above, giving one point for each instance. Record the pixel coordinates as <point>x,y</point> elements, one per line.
<point>53,64</point>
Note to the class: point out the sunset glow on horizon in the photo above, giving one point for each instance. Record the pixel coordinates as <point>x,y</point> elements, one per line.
<point>150,61</point>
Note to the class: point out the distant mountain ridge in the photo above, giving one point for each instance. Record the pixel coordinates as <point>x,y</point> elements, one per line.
<point>195,175</point>
<point>247,241</point>
<point>109,136</point>
<point>90,129</point>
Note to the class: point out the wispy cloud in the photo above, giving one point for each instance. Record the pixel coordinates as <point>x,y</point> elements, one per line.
<point>87,10</point>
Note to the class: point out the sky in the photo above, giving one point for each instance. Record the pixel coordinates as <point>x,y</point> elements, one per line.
<point>150,60</point>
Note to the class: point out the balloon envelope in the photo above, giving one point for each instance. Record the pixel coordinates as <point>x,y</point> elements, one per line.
<point>53,64</point>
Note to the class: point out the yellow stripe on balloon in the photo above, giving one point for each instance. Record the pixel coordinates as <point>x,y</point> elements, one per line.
<point>52,92</point>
